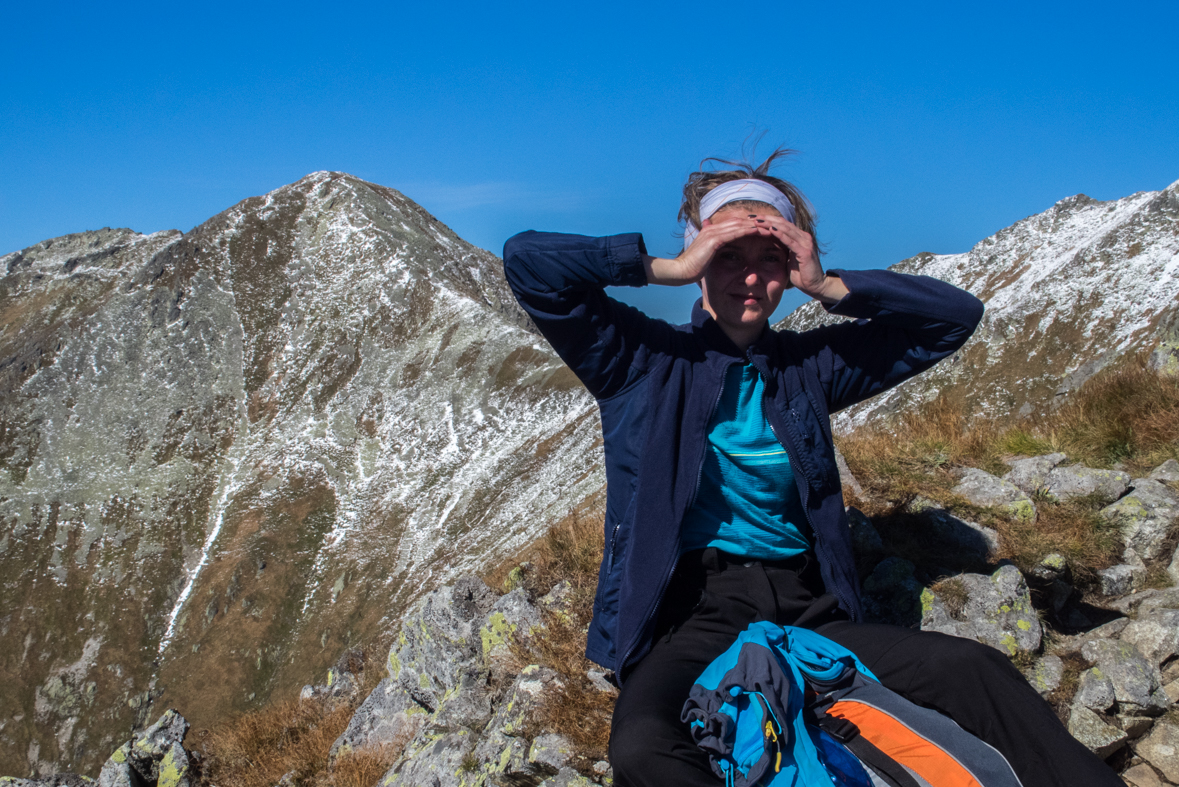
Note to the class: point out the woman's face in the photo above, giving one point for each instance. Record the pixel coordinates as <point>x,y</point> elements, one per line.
<point>743,284</point>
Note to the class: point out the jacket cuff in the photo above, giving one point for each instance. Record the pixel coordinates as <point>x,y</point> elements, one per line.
<point>857,304</point>
<point>624,254</point>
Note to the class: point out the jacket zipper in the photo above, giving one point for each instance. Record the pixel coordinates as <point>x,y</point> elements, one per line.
<point>691,502</point>
<point>820,546</point>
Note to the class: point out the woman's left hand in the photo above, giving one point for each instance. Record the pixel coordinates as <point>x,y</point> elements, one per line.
<point>806,273</point>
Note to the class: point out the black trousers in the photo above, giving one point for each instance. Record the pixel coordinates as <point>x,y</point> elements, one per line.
<point>713,597</point>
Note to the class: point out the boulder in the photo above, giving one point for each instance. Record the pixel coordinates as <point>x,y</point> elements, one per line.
<point>1145,515</point>
<point>971,539</point>
<point>389,714</point>
<point>983,489</point>
<point>440,761</point>
<point>1155,634</point>
<point>995,610</point>
<point>551,750</point>
<point>440,639</point>
<point>1046,674</point>
<point>1094,691</point>
<point>1052,568</point>
<point>845,475</point>
<point>1116,580</point>
<point>56,780</point>
<point>1161,749</point>
<point>1067,483</point>
<point>1136,682</point>
<point>503,752</point>
<point>511,615</point>
<point>1091,730</point>
<point>154,756</point>
<point>567,777</point>
<point>1142,775</point>
<point>1031,474</point>
<point>1168,471</point>
<point>1164,359</point>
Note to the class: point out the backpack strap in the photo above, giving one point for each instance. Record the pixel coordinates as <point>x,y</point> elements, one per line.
<point>848,734</point>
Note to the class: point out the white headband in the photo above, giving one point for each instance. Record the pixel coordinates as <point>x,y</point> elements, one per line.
<point>734,191</point>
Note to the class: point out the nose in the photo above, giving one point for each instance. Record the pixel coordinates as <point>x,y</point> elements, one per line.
<point>751,275</point>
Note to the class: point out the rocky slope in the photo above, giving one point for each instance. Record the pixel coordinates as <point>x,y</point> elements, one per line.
<point>1067,291</point>
<point>228,453</point>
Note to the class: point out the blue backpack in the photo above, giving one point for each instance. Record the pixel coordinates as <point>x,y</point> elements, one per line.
<point>786,707</point>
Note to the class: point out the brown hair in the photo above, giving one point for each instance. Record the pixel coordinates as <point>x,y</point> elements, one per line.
<point>705,180</point>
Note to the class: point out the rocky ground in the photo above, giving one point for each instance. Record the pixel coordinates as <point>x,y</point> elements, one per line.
<point>462,709</point>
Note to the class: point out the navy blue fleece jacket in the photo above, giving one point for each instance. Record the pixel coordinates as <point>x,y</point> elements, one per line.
<point>657,386</point>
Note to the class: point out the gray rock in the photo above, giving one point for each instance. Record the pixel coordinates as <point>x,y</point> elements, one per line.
<point>1142,775</point>
<point>1137,683</point>
<point>1145,515</point>
<point>983,489</point>
<point>845,475</point>
<point>1116,580</point>
<point>1138,571</point>
<point>1067,483</point>
<point>1164,359</point>
<point>997,611</point>
<point>1052,568</point>
<point>154,755</point>
<point>467,706</point>
<point>1167,471</point>
<point>442,761</point>
<point>388,715</point>
<point>602,769</point>
<point>1173,567</point>
<point>1046,674</point>
<point>551,750</point>
<point>1031,475</point>
<point>598,679</point>
<point>1161,749</point>
<point>1100,738</point>
<point>892,593</point>
<point>558,597</point>
<point>1135,726</point>
<point>568,777</point>
<point>502,752</point>
<point>57,780</point>
<point>865,538</point>
<point>1155,635</point>
<point>969,538</point>
<point>1095,691</point>
<point>512,615</point>
<point>440,639</point>
<point>1145,600</point>
<point>1076,643</point>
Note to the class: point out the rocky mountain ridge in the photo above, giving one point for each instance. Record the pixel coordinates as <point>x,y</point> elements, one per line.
<point>1067,291</point>
<point>229,452</point>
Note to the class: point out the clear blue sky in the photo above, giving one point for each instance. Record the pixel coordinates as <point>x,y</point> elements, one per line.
<point>922,127</point>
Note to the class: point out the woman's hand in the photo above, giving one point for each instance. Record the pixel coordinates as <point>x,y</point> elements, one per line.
<point>803,260</point>
<point>689,267</point>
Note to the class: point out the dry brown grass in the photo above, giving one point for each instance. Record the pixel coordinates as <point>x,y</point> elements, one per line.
<point>1127,414</point>
<point>258,748</point>
<point>571,551</point>
<point>363,767</point>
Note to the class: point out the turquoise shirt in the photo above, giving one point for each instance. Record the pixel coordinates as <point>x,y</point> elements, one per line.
<point>747,503</point>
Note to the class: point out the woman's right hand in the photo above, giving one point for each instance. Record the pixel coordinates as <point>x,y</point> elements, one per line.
<point>689,266</point>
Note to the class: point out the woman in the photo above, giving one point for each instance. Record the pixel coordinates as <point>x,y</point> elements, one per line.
<point>723,499</point>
